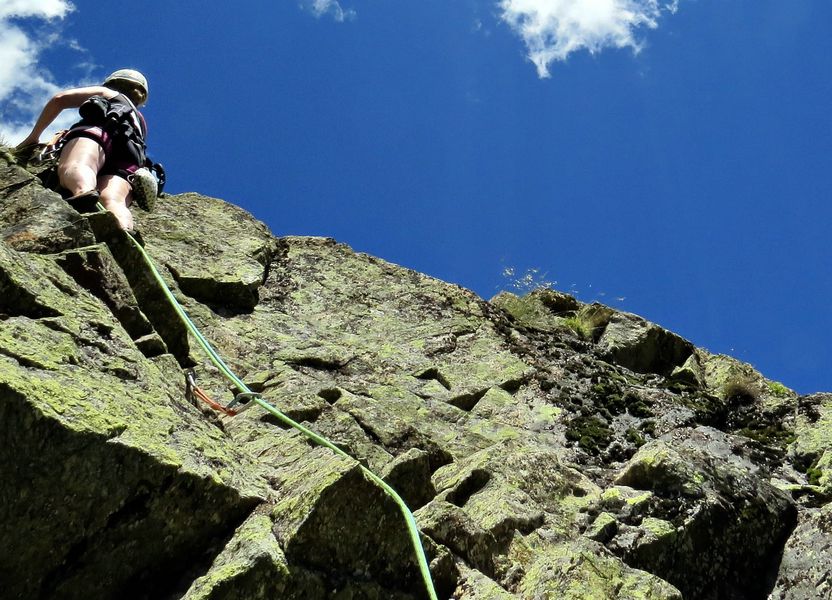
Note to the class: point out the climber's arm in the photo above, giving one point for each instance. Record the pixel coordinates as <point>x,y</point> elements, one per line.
<point>62,100</point>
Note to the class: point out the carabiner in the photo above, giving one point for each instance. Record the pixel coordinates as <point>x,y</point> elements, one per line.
<point>242,401</point>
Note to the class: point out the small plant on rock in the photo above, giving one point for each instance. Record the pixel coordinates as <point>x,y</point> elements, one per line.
<point>580,326</point>
<point>740,390</point>
<point>813,475</point>
<point>586,321</point>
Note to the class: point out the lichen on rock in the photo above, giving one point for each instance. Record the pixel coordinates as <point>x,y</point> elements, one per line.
<point>539,461</point>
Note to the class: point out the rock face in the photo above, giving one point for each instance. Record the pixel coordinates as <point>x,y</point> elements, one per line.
<point>548,449</point>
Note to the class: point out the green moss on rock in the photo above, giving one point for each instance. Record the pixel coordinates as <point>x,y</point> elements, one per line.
<point>590,432</point>
<point>585,572</point>
<point>462,407</point>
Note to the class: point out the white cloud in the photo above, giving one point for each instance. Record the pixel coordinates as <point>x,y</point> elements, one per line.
<point>43,9</point>
<point>331,7</point>
<point>24,84</point>
<point>553,29</point>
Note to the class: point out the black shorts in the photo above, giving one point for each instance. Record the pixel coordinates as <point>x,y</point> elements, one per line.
<point>117,161</point>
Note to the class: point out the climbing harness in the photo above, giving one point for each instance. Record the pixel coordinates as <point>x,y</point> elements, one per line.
<point>246,398</point>
<point>119,118</point>
<point>147,182</point>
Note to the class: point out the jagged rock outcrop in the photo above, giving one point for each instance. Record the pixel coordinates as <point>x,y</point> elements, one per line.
<point>548,449</point>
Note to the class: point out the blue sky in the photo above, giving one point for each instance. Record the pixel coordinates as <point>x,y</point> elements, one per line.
<point>674,161</point>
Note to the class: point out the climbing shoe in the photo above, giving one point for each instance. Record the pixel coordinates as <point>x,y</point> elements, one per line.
<point>85,202</point>
<point>145,188</point>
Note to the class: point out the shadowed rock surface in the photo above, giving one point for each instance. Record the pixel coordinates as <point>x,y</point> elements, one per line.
<point>548,449</point>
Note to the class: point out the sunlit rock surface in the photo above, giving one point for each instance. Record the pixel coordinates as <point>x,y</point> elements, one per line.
<point>548,449</point>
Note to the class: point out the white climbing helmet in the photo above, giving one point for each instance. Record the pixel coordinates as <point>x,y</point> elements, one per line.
<point>131,76</point>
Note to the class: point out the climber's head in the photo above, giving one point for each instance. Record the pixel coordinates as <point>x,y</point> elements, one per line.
<point>129,82</point>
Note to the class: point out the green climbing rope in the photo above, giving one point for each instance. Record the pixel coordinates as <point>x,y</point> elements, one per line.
<point>318,439</point>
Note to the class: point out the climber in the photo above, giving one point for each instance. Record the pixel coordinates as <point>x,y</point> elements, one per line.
<point>100,153</point>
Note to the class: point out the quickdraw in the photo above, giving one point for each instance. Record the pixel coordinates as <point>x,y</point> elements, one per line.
<point>242,401</point>
<point>51,149</point>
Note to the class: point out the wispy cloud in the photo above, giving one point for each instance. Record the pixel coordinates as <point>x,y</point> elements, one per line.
<point>329,7</point>
<point>24,84</point>
<point>553,29</point>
